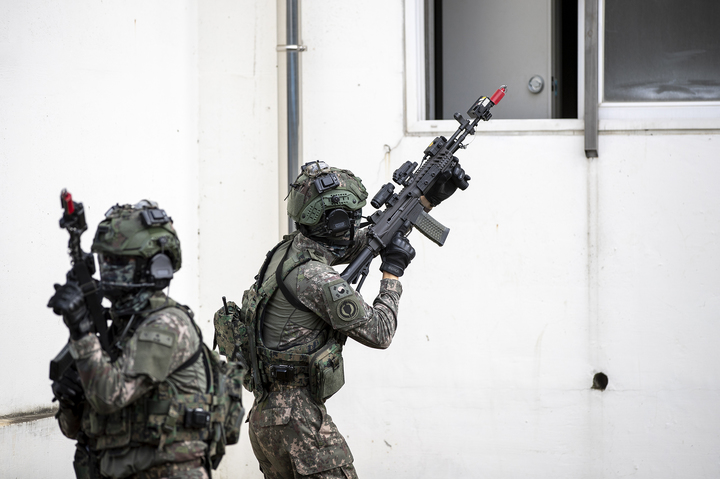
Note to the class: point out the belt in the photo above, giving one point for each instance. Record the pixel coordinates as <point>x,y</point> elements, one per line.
<point>287,375</point>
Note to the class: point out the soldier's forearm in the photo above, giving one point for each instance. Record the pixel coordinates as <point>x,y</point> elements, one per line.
<point>379,329</point>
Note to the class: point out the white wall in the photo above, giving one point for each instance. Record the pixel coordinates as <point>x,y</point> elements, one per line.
<point>659,217</point>
<point>238,154</point>
<point>100,98</point>
<point>501,330</point>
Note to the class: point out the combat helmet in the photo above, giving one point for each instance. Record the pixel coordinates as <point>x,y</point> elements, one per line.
<point>137,247</point>
<point>326,202</point>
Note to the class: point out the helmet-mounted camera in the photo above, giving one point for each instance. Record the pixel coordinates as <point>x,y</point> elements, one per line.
<point>327,182</point>
<point>154,216</point>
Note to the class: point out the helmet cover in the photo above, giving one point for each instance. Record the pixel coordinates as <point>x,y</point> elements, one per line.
<point>138,231</point>
<point>319,189</point>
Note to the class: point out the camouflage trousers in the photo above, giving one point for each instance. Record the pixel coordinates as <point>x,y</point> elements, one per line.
<point>293,437</point>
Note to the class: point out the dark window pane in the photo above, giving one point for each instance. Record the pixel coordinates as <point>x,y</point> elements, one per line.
<point>662,50</point>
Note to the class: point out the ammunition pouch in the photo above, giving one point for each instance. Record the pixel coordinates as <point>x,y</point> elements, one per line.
<point>327,374</point>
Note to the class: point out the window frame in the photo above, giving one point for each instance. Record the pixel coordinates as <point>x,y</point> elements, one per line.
<point>612,116</point>
<point>673,114</point>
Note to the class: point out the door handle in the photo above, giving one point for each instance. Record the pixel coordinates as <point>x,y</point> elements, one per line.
<point>536,84</point>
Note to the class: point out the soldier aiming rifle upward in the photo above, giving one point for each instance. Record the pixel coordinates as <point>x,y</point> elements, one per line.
<point>293,322</point>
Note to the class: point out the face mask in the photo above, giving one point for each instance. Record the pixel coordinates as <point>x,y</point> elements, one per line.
<point>132,302</point>
<point>116,276</point>
<point>338,251</point>
<point>345,241</point>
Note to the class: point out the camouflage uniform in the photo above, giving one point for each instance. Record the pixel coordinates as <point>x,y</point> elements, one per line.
<point>291,433</point>
<point>146,399</point>
<point>128,401</point>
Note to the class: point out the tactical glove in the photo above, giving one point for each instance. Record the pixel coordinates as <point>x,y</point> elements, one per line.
<point>69,302</point>
<point>68,389</point>
<point>397,255</point>
<point>446,184</point>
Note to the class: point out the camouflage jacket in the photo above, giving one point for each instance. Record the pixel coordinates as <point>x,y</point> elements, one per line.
<point>332,301</point>
<point>127,400</point>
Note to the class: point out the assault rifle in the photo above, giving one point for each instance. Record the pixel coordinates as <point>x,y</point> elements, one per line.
<point>403,210</point>
<point>83,267</point>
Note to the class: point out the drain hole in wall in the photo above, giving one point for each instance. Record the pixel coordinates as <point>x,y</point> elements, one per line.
<point>600,381</point>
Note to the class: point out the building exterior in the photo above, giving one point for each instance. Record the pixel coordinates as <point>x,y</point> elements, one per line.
<point>584,244</point>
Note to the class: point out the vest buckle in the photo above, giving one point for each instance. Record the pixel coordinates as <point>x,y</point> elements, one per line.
<point>282,373</point>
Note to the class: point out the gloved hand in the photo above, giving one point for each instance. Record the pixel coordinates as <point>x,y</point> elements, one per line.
<point>69,302</point>
<point>446,184</point>
<point>68,390</point>
<point>397,255</point>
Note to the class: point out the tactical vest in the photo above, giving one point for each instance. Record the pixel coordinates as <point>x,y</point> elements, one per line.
<point>163,416</point>
<point>317,364</point>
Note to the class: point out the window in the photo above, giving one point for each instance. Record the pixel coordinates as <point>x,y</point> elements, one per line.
<point>472,47</point>
<point>661,50</point>
<point>658,63</point>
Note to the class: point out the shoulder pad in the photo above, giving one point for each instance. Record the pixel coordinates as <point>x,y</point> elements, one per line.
<point>154,352</point>
<point>344,306</point>
<point>156,342</point>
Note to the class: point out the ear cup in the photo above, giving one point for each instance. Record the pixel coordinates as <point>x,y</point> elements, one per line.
<point>160,268</point>
<point>337,222</point>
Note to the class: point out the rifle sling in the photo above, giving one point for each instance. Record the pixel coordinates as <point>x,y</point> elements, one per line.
<point>292,299</point>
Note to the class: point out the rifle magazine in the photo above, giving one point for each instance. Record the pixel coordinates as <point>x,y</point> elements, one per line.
<point>431,228</point>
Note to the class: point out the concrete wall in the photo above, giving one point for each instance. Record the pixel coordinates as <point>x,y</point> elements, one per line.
<point>100,98</point>
<point>556,267</point>
<point>238,159</point>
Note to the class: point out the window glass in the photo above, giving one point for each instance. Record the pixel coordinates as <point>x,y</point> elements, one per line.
<point>662,50</point>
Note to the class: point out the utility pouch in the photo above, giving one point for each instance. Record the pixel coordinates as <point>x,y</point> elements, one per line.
<point>327,374</point>
<point>225,325</point>
<point>236,412</point>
